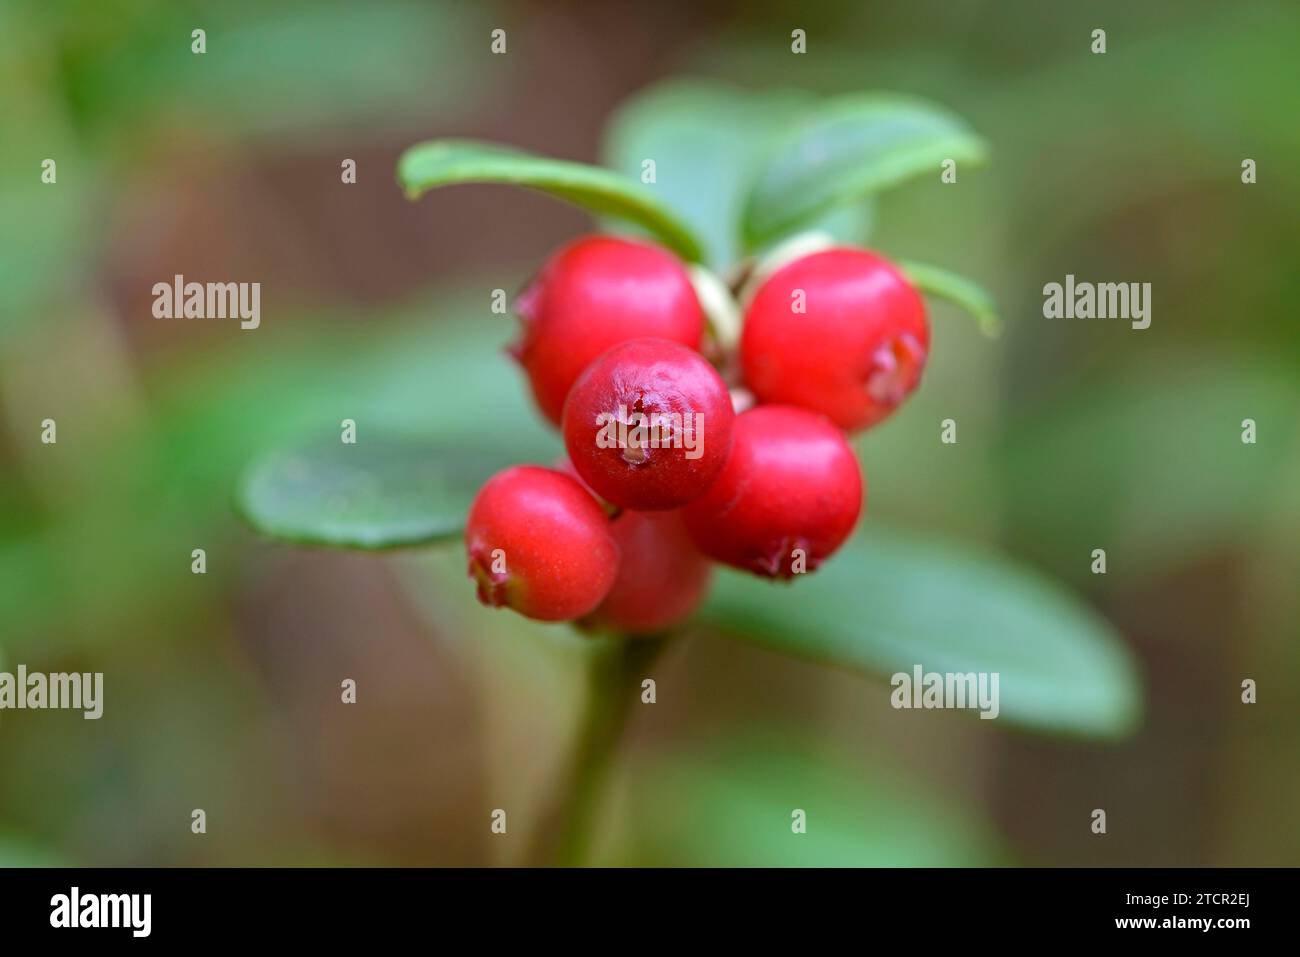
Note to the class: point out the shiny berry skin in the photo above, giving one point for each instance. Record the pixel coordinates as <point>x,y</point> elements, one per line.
<point>592,294</point>
<point>539,543</point>
<point>792,482</point>
<point>648,425</point>
<point>662,577</point>
<point>856,350</point>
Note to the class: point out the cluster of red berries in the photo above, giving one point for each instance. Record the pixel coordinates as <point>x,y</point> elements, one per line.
<point>662,473</point>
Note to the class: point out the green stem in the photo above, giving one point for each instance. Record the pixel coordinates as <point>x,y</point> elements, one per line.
<point>614,675</point>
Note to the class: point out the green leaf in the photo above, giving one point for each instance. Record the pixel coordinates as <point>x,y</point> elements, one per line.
<point>886,603</point>
<point>707,139</point>
<point>447,162</point>
<point>958,290</point>
<point>851,148</point>
<point>380,493</point>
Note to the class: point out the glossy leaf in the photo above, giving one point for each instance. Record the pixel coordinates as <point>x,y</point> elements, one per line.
<point>887,603</point>
<point>957,290</point>
<point>847,150</point>
<point>706,140</point>
<point>448,162</point>
<point>377,494</point>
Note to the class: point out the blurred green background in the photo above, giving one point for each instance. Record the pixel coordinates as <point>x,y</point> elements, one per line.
<point>222,690</point>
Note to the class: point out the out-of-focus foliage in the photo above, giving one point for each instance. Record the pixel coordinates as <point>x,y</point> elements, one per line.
<point>99,86</point>
<point>737,803</point>
<point>179,469</point>
<point>1189,483</point>
<point>1072,435</point>
<point>288,68</point>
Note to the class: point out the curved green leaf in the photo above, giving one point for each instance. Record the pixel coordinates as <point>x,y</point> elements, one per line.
<point>887,603</point>
<point>847,150</point>
<point>957,290</point>
<point>707,140</point>
<point>377,494</point>
<point>447,162</point>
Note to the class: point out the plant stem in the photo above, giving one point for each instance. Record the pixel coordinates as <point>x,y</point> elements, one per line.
<point>614,675</point>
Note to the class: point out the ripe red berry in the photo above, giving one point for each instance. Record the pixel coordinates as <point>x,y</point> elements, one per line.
<point>841,332</point>
<point>789,496</point>
<point>662,576</point>
<point>648,425</point>
<point>540,544</point>
<point>594,293</point>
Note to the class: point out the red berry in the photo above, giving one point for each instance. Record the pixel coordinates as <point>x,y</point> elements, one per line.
<point>662,576</point>
<point>593,294</point>
<point>792,482</point>
<point>540,544</point>
<point>841,332</point>
<point>648,425</point>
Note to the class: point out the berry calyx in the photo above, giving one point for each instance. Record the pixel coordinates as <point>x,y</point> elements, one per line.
<point>648,425</point>
<point>841,332</point>
<point>788,497</point>
<point>591,295</point>
<point>662,577</point>
<point>539,543</point>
